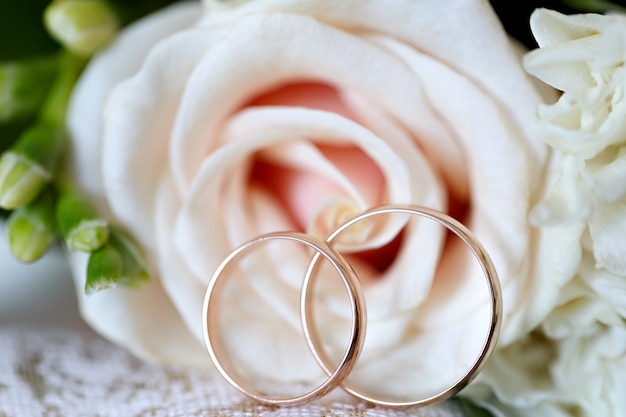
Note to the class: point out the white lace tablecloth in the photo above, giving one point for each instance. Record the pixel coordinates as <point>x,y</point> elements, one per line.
<point>52,365</point>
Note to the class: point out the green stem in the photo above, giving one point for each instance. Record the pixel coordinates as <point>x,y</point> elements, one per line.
<point>24,85</point>
<point>55,106</point>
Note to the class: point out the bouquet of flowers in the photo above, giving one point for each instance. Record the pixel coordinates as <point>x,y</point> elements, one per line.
<point>149,139</point>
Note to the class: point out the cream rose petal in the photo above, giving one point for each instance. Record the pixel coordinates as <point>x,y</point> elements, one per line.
<point>128,318</point>
<point>294,124</point>
<point>131,326</point>
<point>134,153</point>
<point>499,210</point>
<point>332,56</point>
<point>425,25</point>
<point>262,314</point>
<point>119,61</point>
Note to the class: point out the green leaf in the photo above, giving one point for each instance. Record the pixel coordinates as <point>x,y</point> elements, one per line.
<point>471,409</point>
<point>31,229</point>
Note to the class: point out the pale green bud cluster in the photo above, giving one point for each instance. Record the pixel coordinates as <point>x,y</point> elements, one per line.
<point>42,207</point>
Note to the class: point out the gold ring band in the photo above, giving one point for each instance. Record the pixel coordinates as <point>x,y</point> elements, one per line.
<point>220,358</point>
<point>213,338</point>
<point>493,284</point>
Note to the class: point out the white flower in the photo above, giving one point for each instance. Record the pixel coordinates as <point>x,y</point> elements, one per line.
<point>583,55</point>
<point>574,363</point>
<point>199,129</point>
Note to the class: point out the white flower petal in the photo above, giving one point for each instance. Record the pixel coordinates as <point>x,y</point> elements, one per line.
<point>608,228</point>
<point>609,287</point>
<point>569,200</point>
<point>550,27</point>
<point>563,67</point>
<point>608,179</point>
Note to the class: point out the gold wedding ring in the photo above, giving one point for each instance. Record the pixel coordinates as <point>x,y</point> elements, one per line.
<point>493,285</point>
<point>213,338</point>
<point>337,377</point>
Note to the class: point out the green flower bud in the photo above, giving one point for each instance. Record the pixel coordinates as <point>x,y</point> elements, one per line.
<point>31,229</point>
<point>21,180</point>
<point>135,272</point>
<point>79,222</point>
<point>24,85</point>
<point>104,269</point>
<point>82,26</point>
<point>29,164</point>
<point>118,262</point>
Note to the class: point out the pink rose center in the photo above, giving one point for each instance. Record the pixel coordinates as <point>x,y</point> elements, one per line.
<point>304,195</point>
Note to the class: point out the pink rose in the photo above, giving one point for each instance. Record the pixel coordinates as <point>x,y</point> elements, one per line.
<point>203,126</point>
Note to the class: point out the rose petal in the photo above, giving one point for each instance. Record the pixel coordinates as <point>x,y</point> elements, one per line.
<point>498,210</point>
<point>434,18</point>
<point>294,124</point>
<point>134,154</point>
<point>178,282</point>
<point>119,61</point>
<point>128,318</point>
<point>207,103</point>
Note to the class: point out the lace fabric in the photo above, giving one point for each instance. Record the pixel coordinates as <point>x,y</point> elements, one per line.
<point>64,372</point>
<point>52,364</point>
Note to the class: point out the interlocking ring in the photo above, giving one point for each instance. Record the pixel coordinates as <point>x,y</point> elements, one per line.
<point>493,284</point>
<point>213,338</point>
<point>219,356</point>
